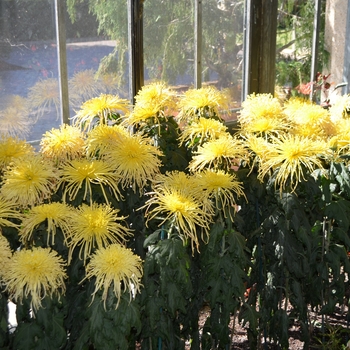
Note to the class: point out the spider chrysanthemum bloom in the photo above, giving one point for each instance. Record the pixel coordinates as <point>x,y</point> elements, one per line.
<point>220,186</point>
<point>309,120</point>
<point>29,180</point>
<point>182,210</point>
<point>201,130</point>
<point>5,255</point>
<point>44,95</point>
<point>136,160</point>
<point>12,148</point>
<point>340,108</point>
<point>293,156</point>
<point>180,181</point>
<point>340,141</point>
<point>260,106</point>
<point>103,137</point>
<point>257,145</point>
<point>55,215</point>
<point>95,226</point>
<point>8,212</point>
<point>257,148</point>
<point>35,274</point>
<point>204,102</point>
<point>152,102</point>
<point>176,180</point>
<point>115,267</point>
<point>82,173</point>
<point>224,152</point>
<point>265,125</point>
<point>98,110</point>
<point>63,144</point>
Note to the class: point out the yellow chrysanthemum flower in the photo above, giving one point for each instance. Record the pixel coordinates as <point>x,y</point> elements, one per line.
<point>118,267</point>
<point>201,130</point>
<point>260,106</point>
<point>182,210</point>
<point>226,151</point>
<point>29,180</point>
<point>104,137</point>
<point>135,159</point>
<point>152,101</point>
<point>340,108</point>
<point>95,226</point>
<point>8,211</point>
<point>98,110</point>
<point>35,274</point>
<point>204,102</point>
<point>54,214</point>
<point>176,180</point>
<point>340,142</point>
<point>292,156</point>
<point>265,125</point>
<point>309,120</point>
<point>257,147</point>
<point>292,105</point>
<point>44,95</point>
<point>5,255</point>
<point>180,181</point>
<point>11,148</point>
<point>81,173</point>
<point>63,144</point>
<point>220,186</point>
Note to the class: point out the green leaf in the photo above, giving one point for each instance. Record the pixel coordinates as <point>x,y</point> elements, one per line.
<point>248,314</point>
<point>339,210</point>
<point>28,336</point>
<point>152,239</point>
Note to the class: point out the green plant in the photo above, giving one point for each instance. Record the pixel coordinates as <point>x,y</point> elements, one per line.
<point>123,227</point>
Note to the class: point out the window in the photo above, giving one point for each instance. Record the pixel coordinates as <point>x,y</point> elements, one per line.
<point>114,47</point>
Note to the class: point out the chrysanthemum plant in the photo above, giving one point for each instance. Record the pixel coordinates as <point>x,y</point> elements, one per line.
<point>126,226</point>
<point>119,230</point>
<point>296,219</point>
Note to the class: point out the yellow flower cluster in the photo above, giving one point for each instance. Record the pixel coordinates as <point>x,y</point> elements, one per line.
<point>307,137</point>
<point>74,189</point>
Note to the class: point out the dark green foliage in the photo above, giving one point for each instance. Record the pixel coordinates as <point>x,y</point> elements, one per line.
<point>299,242</point>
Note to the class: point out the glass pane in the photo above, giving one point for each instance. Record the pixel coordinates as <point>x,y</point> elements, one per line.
<point>29,90</point>
<point>168,41</point>
<point>294,48</point>
<point>29,95</point>
<point>222,51</point>
<point>97,43</point>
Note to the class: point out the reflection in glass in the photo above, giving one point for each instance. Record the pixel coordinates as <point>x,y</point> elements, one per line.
<point>169,44</point>
<point>29,98</point>
<point>29,66</point>
<point>222,48</point>
<point>168,41</point>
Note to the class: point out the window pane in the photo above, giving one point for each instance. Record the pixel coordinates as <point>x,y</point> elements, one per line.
<point>29,95</point>
<point>169,44</point>
<point>168,41</point>
<point>97,44</point>
<point>222,51</point>
<point>29,89</point>
<point>294,48</point>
